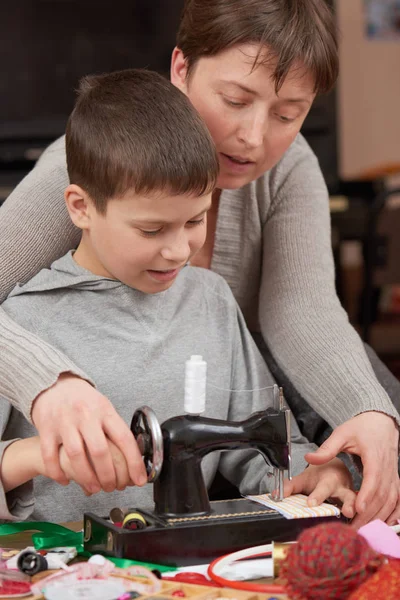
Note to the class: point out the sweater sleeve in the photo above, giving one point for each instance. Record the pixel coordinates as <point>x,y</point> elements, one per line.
<point>301,317</point>
<point>28,365</point>
<point>35,229</point>
<point>248,469</point>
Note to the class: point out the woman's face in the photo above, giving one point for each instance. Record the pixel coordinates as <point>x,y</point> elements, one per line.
<point>252,126</point>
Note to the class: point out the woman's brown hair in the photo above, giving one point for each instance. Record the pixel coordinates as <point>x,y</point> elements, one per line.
<point>294,32</point>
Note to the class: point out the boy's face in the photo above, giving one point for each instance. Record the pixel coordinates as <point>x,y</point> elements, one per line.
<point>143,241</point>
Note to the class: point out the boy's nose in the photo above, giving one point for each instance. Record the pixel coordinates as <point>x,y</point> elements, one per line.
<point>177,251</point>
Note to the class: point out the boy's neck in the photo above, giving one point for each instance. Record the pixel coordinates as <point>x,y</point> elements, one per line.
<point>85,257</point>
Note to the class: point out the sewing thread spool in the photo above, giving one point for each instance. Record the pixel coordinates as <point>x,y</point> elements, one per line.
<point>195,385</point>
<point>134,520</point>
<point>30,562</point>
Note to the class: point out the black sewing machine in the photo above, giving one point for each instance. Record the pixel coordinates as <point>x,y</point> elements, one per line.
<point>185,528</point>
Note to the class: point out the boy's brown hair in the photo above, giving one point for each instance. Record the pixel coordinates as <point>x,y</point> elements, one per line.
<point>293,31</point>
<point>134,130</point>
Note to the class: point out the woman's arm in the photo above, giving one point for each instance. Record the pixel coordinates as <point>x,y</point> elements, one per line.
<point>301,318</point>
<point>65,409</point>
<point>35,228</point>
<point>28,366</point>
<point>310,336</point>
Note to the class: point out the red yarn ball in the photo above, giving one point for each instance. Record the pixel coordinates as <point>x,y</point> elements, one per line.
<point>328,562</point>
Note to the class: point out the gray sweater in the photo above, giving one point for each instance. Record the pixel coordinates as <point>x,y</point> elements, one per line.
<point>272,246</point>
<point>134,346</point>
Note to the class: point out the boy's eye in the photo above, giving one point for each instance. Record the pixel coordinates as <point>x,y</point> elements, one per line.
<point>196,222</point>
<point>150,233</point>
<point>154,232</point>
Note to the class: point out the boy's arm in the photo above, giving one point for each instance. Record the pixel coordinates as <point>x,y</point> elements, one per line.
<point>19,460</point>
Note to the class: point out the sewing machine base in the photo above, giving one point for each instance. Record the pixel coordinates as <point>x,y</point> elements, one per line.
<point>231,526</point>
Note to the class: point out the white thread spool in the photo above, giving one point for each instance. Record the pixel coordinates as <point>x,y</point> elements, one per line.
<point>195,385</point>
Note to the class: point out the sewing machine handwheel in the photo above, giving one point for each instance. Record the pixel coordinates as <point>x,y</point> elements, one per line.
<point>147,431</point>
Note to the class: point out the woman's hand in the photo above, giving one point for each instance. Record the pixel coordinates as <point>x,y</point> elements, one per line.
<point>374,437</point>
<point>331,480</point>
<point>123,479</point>
<point>394,517</point>
<point>76,416</point>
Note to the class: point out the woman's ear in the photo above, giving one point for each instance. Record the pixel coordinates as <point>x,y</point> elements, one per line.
<point>179,70</point>
<point>79,206</point>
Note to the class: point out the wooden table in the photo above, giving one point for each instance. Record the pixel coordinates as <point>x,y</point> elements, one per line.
<point>19,541</point>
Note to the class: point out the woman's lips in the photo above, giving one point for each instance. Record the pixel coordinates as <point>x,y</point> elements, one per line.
<point>236,164</point>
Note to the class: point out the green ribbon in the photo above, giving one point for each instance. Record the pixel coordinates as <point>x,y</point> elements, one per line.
<point>53,535</point>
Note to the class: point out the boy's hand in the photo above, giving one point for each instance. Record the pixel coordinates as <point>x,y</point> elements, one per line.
<point>76,416</point>
<point>119,462</point>
<point>331,480</point>
<point>374,437</point>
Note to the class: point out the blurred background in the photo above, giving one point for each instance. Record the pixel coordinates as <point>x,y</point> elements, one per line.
<point>47,45</point>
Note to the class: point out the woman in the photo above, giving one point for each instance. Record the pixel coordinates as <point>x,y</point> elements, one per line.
<point>252,69</point>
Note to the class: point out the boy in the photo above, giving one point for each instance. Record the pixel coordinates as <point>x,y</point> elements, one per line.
<point>126,308</point>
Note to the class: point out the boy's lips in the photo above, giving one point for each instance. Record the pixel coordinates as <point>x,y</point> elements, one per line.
<point>163,276</point>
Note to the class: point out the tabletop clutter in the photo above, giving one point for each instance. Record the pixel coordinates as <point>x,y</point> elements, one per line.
<point>328,561</point>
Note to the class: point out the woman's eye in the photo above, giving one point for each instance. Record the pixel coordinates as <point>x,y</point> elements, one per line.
<point>285,119</point>
<point>234,103</point>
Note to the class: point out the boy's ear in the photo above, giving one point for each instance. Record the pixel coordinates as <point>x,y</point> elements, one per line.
<point>179,70</point>
<point>79,206</point>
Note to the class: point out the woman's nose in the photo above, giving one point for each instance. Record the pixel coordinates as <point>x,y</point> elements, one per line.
<point>252,131</point>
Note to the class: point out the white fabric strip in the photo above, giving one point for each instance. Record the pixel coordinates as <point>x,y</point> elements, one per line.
<point>296,507</point>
